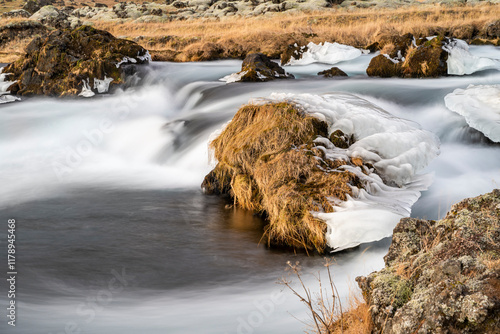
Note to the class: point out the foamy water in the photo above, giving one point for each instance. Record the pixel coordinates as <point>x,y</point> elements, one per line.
<point>108,183</point>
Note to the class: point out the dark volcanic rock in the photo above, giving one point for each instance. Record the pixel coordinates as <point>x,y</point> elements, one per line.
<point>441,276</point>
<point>258,67</point>
<point>58,63</point>
<point>333,72</point>
<point>427,60</point>
<point>382,66</point>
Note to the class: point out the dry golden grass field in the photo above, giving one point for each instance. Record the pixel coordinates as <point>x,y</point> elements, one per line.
<point>234,37</point>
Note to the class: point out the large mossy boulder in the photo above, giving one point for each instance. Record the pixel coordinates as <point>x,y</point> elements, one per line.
<point>58,64</point>
<point>268,163</point>
<point>417,59</point>
<point>441,276</point>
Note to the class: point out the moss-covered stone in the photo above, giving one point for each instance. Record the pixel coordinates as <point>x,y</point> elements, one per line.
<point>441,276</point>
<point>57,63</point>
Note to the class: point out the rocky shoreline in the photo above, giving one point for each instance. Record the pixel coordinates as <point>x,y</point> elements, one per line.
<point>441,276</point>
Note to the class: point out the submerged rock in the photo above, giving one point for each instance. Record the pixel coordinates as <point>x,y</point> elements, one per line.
<point>441,276</point>
<point>257,67</point>
<point>333,72</point>
<point>58,63</point>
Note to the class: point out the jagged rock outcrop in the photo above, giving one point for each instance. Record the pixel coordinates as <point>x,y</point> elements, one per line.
<point>441,276</point>
<point>60,62</point>
<point>410,58</point>
<point>257,67</point>
<point>333,72</point>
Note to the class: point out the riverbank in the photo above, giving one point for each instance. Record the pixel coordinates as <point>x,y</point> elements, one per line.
<point>198,39</point>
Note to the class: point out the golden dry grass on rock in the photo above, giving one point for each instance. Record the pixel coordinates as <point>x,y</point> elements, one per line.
<point>268,163</point>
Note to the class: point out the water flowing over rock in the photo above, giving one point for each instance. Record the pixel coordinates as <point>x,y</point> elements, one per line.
<point>333,72</point>
<point>441,276</point>
<point>58,63</point>
<point>257,67</point>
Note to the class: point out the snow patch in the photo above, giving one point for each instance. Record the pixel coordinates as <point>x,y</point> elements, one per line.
<point>461,61</point>
<point>480,106</point>
<point>397,148</point>
<point>327,53</point>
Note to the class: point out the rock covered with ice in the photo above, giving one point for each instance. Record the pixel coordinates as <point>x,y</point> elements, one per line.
<point>398,150</point>
<point>480,106</point>
<point>5,96</point>
<point>257,67</point>
<point>461,61</point>
<point>326,53</point>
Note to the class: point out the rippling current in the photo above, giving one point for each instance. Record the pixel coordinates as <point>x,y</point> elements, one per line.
<point>115,236</point>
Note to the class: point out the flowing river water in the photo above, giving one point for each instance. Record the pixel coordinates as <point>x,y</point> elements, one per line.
<point>115,236</point>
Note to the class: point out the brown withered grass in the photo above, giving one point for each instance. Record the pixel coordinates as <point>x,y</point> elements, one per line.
<point>235,37</point>
<point>267,158</point>
<point>329,315</point>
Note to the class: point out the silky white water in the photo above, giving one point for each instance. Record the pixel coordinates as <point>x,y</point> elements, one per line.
<point>113,182</point>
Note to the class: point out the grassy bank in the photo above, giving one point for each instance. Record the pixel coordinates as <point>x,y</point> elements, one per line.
<point>235,37</point>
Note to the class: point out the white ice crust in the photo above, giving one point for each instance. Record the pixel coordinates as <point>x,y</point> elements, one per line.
<point>86,90</point>
<point>234,77</point>
<point>480,106</point>
<point>397,148</point>
<point>461,61</point>
<point>327,53</point>
<point>102,86</point>
<point>4,85</point>
<point>126,60</point>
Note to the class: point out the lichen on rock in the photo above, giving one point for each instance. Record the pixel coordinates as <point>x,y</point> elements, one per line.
<point>441,276</point>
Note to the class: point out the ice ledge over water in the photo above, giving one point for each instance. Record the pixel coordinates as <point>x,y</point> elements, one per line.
<point>326,53</point>
<point>397,148</point>
<point>480,106</point>
<point>461,61</point>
